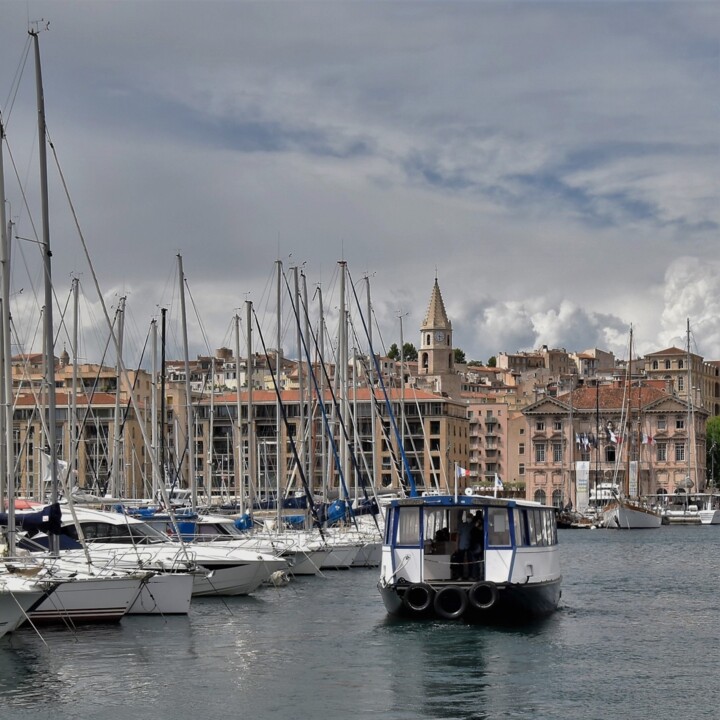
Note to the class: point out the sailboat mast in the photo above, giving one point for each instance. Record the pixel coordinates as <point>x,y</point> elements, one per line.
<point>7,470</point>
<point>163,314</point>
<point>49,352</point>
<point>189,456</point>
<point>628,422</point>
<point>115,477</point>
<point>239,474</point>
<point>153,412</point>
<point>690,428</point>
<point>323,436</point>
<point>278,408</point>
<point>74,425</point>
<point>249,372</point>
<point>371,386</point>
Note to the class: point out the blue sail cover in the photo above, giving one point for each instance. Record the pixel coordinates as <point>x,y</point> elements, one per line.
<point>48,520</point>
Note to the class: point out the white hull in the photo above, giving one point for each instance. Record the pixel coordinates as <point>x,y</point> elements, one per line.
<point>164,594</point>
<point>102,599</point>
<point>223,568</point>
<point>709,517</point>
<point>17,597</point>
<point>627,516</point>
<point>305,562</point>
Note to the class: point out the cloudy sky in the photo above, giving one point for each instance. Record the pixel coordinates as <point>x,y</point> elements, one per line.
<point>554,164</point>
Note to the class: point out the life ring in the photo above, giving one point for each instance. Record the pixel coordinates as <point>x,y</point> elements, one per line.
<point>483,595</point>
<point>418,597</point>
<point>450,602</point>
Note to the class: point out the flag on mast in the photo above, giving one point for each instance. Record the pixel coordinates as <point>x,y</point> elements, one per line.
<point>498,484</point>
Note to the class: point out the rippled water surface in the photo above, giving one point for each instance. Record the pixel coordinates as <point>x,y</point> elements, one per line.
<point>636,636</point>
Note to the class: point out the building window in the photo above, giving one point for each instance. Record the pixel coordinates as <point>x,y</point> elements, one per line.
<point>610,453</point>
<point>557,452</point>
<point>679,452</point>
<point>540,425</point>
<point>681,383</point>
<point>679,423</point>
<point>661,450</point>
<point>522,431</point>
<point>681,364</point>
<point>521,449</point>
<point>540,497</point>
<point>667,364</point>
<point>655,365</point>
<point>661,423</point>
<point>540,452</point>
<point>557,424</point>
<point>521,469</point>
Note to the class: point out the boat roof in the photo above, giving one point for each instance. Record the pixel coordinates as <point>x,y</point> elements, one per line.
<point>463,501</point>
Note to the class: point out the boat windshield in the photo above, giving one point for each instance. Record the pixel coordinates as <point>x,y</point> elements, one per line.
<point>130,533</point>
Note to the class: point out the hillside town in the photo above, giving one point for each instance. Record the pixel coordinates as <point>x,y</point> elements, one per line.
<point>544,425</point>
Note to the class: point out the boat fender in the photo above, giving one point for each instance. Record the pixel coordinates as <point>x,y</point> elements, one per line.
<point>483,595</point>
<point>450,602</point>
<point>419,597</point>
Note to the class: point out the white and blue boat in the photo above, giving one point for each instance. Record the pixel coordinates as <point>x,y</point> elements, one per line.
<point>470,557</point>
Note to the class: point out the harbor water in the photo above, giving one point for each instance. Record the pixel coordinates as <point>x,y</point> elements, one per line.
<point>636,636</point>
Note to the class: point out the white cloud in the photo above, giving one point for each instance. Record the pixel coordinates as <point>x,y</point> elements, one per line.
<point>548,161</point>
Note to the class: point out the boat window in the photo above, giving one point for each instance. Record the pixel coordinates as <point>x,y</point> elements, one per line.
<point>498,529</point>
<point>408,526</point>
<point>520,528</point>
<point>536,527</point>
<point>435,526</point>
<point>389,517</point>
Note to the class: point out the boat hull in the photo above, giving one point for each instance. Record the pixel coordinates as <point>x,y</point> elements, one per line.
<point>164,594</point>
<point>627,516</point>
<point>483,602</point>
<point>234,579</point>
<point>709,517</point>
<point>88,600</point>
<point>16,600</point>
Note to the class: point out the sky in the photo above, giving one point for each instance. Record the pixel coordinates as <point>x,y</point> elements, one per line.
<point>555,165</point>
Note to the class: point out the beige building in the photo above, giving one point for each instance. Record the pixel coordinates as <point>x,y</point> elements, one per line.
<point>589,426</point>
<point>90,443</point>
<point>676,367</point>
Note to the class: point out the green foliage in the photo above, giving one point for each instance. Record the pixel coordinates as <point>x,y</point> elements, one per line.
<point>492,362</point>
<point>712,442</point>
<point>410,354</point>
<point>459,356</point>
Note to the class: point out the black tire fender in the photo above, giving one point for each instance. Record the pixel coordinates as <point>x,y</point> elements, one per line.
<point>483,595</point>
<point>418,597</point>
<point>450,602</point>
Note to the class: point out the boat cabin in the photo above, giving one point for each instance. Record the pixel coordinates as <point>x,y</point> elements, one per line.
<point>451,552</point>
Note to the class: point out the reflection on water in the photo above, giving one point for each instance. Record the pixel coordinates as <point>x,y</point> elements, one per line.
<point>636,629</point>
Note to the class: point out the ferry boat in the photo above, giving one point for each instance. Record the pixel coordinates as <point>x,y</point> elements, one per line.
<point>470,557</point>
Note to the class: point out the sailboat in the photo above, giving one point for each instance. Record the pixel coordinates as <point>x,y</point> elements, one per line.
<point>627,512</point>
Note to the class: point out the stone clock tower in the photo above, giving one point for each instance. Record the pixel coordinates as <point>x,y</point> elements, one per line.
<point>436,356</point>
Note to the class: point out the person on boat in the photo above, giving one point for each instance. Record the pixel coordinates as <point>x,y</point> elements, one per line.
<point>476,546</point>
<point>464,543</point>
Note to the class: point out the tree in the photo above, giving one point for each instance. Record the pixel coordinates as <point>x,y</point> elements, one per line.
<point>459,356</point>
<point>712,442</point>
<point>492,362</point>
<point>410,354</point>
